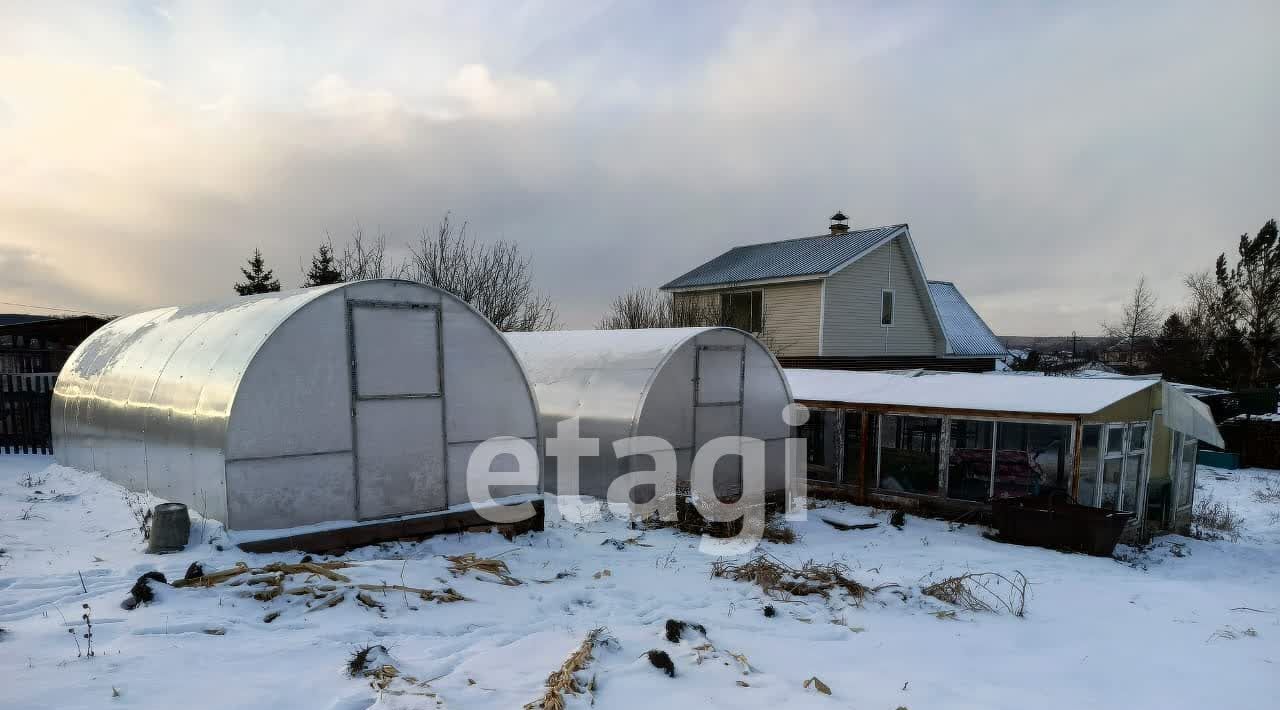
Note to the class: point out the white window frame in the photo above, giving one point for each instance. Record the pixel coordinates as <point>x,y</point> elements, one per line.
<point>1145,452</point>
<point>1179,443</point>
<point>893,307</point>
<point>1123,455</point>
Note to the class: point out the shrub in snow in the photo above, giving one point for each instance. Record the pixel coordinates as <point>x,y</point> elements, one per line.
<point>676,628</point>
<point>662,661</point>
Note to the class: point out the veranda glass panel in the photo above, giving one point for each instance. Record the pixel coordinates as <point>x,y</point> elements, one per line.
<point>1089,457</point>
<point>1115,439</point>
<point>1048,447</point>
<point>1187,474</point>
<point>1132,477</point>
<point>853,447</point>
<point>909,454</point>
<point>1031,458</point>
<point>1111,483</point>
<point>819,434</point>
<point>969,461</point>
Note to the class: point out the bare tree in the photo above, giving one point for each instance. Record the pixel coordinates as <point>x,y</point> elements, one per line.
<point>363,258</point>
<point>649,308</point>
<point>1141,318</point>
<point>638,308</point>
<point>494,278</point>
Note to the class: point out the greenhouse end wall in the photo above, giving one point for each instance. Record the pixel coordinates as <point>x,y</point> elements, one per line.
<point>684,386</point>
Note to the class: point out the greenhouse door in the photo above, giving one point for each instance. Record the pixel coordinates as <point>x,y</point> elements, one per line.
<point>717,408</point>
<point>397,401</point>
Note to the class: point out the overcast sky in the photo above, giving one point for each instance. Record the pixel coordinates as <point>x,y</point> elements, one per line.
<point>1044,156</point>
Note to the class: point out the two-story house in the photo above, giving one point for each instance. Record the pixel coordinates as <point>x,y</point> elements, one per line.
<point>850,299</point>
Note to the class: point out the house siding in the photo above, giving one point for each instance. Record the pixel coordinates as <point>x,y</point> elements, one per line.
<point>852,324</point>
<point>791,314</point>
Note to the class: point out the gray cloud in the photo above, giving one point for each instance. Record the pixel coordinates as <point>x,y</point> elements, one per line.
<point>1043,159</point>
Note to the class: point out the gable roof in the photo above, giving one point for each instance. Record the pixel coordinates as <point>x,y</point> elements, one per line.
<point>966,332</point>
<point>807,256</point>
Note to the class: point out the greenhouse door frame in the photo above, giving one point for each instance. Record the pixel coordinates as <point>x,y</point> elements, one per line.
<point>358,399</point>
<point>717,403</point>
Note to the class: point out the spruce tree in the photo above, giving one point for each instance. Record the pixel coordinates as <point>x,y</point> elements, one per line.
<point>1250,297</point>
<point>1174,352</point>
<point>258,278</point>
<point>322,270</point>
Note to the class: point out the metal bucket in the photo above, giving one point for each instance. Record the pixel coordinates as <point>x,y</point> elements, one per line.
<point>170,528</point>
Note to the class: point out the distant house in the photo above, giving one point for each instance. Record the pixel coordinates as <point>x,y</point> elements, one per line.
<point>850,299</point>
<point>1137,357</point>
<point>41,344</point>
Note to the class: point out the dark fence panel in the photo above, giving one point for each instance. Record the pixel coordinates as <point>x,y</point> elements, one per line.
<point>1256,440</point>
<point>25,401</point>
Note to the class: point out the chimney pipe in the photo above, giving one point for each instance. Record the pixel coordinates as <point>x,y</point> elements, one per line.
<point>839,223</point>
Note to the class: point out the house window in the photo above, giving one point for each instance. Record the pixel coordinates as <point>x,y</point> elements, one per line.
<point>886,307</point>
<point>743,310</point>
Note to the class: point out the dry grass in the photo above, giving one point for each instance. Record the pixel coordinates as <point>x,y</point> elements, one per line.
<point>982,591</point>
<point>469,562</point>
<point>1215,520</point>
<point>564,680</point>
<point>777,530</point>
<point>780,580</point>
<point>1270,493</point>
<point>376,664</point>
<point>323,587</point>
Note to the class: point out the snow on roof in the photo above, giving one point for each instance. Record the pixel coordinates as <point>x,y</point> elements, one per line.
<point>1041,395</point>
<point>552,355</point>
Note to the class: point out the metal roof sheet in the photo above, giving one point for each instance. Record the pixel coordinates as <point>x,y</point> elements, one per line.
<point>806,256</point>
<point>967,333</point>
<point>984,392</point>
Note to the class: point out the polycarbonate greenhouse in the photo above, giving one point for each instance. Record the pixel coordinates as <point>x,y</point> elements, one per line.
<point>350,402</point>
<point>686,386</point>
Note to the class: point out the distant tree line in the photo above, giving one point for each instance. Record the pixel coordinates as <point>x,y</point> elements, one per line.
<point>493,277</point>
<point>1227,333</point>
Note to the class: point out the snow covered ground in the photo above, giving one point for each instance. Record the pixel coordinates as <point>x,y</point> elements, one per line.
<point>1184,624</point>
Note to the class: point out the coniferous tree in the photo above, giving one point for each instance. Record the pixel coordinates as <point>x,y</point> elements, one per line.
<point>1174,352</point>
<point>323,269</point>
<point>258,278</point>
<point>1251,298</point>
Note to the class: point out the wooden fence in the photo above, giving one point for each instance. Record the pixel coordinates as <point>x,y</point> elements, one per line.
<point>25,400</point>
<point>1257,440</point>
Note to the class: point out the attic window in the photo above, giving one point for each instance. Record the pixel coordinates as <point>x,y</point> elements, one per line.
<point>886,307</point>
